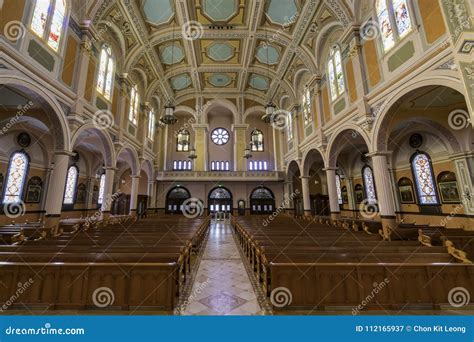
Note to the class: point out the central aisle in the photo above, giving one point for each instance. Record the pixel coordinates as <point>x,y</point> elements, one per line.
<point>222,286</point>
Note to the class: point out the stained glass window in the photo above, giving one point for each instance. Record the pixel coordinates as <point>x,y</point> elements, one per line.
<point>336,73</point>
<point>307,106</point>
<point>151,125</point>
<point>106,72</point>
<point>220,136</point>
<point>338,188</point>
<point>16,177</point>
<point>71,182</point>
<point>257,140</point>
<point>393,14</point>
<point>425,184</point>
<point>48,21</point>
<point>289,126</point>
<point>100,199</point>
<point>182,141</point>
<point>134,103</point>
<point>369,185</point>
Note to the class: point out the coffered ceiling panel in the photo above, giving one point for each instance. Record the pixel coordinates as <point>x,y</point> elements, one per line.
<point>227,51</point>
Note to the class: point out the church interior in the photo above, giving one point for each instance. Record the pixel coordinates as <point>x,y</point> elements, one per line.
<point>237,157</point>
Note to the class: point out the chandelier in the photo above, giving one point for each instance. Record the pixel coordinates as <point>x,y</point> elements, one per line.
<point>169,118</point>
<point>269,112</point>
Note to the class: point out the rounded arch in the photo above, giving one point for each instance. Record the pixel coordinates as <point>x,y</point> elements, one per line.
<point>175,198</point>
<point>334,146</point>
<point>220,103</point>
<point>265,189</point>
<point>147,167</point>
<point>178,192</point>
<point>104,137</point>
<point>385,115</point>
<point>220,191</point>
<point>262,201</point>
<point>60,128</point>
<point>252,110</point>
<point>131,157</point>
<point>310,157</point>
<point>292,168</point>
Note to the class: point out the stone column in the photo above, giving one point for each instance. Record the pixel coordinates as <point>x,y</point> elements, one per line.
<point>152,195</point>
<point>464,166</point>
<point>385,199</point>
<point>200,144</point>
<point>306,195</point>
<point>277,153</point>
<point>350,194</point>
<point>90,194</point>
<point>287,196</point>
<point>55,195</point>
<point>240,143</point>
<point>332,192</point>
<point>134,194</point>
<point>108,189</point>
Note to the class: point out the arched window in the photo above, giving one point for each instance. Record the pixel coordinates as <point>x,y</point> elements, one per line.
<point>151,125</point>
<point>16,177</point>
<point>390,14</point>
<point>336,75</point>
<point>105,78</point>
<point>134,103</point>
<point>100,198</point>
<point>71,182</point>
<point>338,188</point>
<point>257,140</point>
<point>424,180</point>
<point>289,126</point>
<point>369,185</point>
<point>48,21</point>
<point>308,118</point>
<point>182,141</point>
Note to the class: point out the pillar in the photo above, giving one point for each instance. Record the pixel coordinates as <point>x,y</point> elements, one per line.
<point>108,197</point>
<point>287,196</point>
<point>55,195</point>
<point>350,193</point>
<point>152,195</point>
<point>90,193</point>
<point>200,144</point>
<point>306,195</point>
<point>332,192</point>
<point>134,195</point>
<point>240,143</point>
<point>383,185</point>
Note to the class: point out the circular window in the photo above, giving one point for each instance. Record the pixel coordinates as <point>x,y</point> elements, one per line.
<point>220,136</point>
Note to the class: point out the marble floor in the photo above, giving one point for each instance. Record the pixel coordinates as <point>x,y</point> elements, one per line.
<point>222,285</point>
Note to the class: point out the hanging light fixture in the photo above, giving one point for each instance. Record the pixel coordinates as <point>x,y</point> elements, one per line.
<point>169,118</point>
<point>192,154</point>
<point>247,152</point>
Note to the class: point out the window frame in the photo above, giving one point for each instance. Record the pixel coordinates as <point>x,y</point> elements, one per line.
<point>100,200</point>
<point>306,107</point>
<point>393,23</point>
<point>332,58</point>
<point>49,21</point>
<point>364,182</point>
<point>25,177</point>
<point>223,131</point>
<point>74,187</point>
<point>433,179</point>
<point>133,108</point>
<point>110,57</point>
<point>151,125</point>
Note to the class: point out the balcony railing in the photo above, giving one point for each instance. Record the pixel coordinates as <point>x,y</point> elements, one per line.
<point>230,176</point>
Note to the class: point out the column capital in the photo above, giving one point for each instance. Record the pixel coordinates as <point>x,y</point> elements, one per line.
<point>305,177</point>
<point>110,168</point>
<point>330,169</point>
<point>135,176</point>
<point>64,153</point>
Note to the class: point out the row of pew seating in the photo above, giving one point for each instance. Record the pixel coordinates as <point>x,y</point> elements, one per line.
<point>326,264</point>
<point>144,263</point>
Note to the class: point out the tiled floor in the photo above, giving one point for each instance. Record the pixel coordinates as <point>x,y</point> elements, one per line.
<point>222,286</point>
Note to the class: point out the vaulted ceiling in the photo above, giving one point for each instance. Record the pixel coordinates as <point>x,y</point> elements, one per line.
<point>251,48</point>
